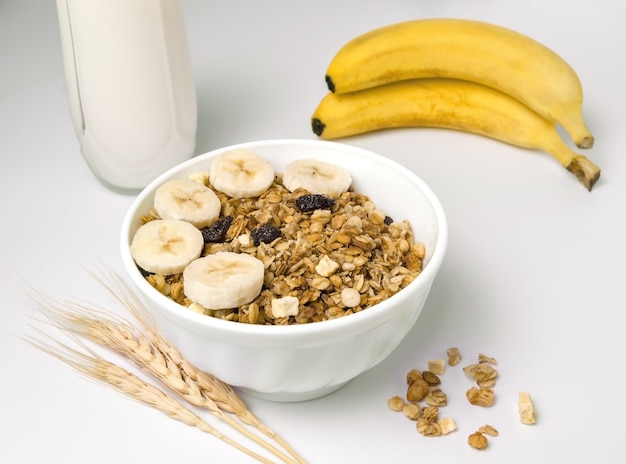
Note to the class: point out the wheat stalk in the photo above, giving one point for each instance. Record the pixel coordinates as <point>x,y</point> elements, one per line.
<point>211,387</point>
<point>155,355</point>
<point>114,376</point>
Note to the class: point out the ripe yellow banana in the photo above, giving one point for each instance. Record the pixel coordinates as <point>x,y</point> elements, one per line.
<point>465,49</point>
<point>451,104</point>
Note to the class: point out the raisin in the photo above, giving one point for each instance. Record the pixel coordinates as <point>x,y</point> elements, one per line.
<point>216,232</point>
<point>313,201</point>
<point>265,234</point>
<point>387,220</point>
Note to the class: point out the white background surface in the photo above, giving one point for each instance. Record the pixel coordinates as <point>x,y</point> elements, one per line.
<point>534,274</point>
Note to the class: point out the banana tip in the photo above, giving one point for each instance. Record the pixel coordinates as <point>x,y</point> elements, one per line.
<point>330,83</point>
<point>318,126</point>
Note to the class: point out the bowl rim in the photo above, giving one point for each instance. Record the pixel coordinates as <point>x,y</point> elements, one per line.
<point>203,324</point>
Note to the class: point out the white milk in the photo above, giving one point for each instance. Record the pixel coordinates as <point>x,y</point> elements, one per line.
<point>131,88</point>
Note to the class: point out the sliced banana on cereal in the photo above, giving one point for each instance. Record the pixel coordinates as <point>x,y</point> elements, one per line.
<point>187,200</point>
<point>241,173</point>
<point>317,177</point>
<point>166,246</point>
<point>223,280</point>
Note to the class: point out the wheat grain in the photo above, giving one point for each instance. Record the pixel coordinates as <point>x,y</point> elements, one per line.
<point>210,386</point>
<point>154,354</point>
<point>114,376</point>
<point>118,335</point>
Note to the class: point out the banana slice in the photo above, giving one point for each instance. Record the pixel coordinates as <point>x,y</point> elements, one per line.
<point>166,246</point>
<point>187,200</point>
<point>223,280</point>
<point>241,174</point>
<point>316,177</point>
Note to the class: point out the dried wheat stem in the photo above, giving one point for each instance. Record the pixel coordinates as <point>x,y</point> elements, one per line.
<point>95,367</point>
<point>212,387</point>
<point>127,341</point>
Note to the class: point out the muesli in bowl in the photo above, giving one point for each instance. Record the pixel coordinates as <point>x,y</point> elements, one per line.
<point>384,237</point>
<point>242,242</point>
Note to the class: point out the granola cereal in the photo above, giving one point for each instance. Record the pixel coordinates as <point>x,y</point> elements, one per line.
<point>478,441</point>
<point>337,260</point>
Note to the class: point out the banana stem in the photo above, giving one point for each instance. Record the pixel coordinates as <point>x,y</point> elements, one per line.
<point>584,170</point>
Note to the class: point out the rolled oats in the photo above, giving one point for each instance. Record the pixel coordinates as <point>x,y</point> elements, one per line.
<point>351,245</point>
<point>488,430</point>
<point>480,396</point>
<point>436,397</point>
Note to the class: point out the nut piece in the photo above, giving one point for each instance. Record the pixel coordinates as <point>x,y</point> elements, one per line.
<point>395,403</point>
<point>526,409</point>
<point>437,366</point>
<point>417,391</point>
<point>350,297</point>
<point>412,411</point>
<point>430,378</point>
<point>454,356</point>
<point>480,396</point>
<point>447,425</point>
<point>477,440</point>
<point>488,430</point>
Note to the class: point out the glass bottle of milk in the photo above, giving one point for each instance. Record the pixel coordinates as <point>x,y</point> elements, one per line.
<point>130,86</point>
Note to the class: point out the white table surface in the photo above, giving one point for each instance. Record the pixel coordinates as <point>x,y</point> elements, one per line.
<point>534,274</point>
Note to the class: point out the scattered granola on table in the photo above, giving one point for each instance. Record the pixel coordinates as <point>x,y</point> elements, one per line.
<point>425,386</point>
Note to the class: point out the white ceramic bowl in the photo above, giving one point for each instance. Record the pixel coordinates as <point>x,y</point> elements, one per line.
<point>302,362</point>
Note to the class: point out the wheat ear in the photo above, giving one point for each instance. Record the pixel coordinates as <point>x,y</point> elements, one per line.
<point>211,387</point>
<point>118,335</point>
<point>114,376</point>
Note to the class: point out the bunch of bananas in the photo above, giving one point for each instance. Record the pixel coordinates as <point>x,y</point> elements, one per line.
<point>458,74</point>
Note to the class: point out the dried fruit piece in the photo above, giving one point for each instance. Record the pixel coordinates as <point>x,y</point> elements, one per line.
<point>314,201</point>
<point>488,430</point>
<point>417,390</point>
<point>447,425</point>
<point>454,356</point>
<point>395,403</point>
<point>430,378</point>
<point>477,440</point>
<point>480,396</point>
<point>216,232</point>
<point>437,366</point>
<point>412,411</point>
<point>526,409</point>
<point>266,233</point>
